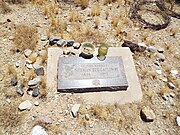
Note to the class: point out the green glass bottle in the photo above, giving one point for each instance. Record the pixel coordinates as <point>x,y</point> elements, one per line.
<point>102,52</point>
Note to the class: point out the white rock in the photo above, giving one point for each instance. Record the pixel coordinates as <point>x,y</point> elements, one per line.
<point>75,109</point>
<point>87,117</point>
<point>171,85</point>
<point>43,38</point>
<point>29,66</point>
<point>38,130</point>
<point>36,103</point>
<point>178,120</point>
<point>159,71</point>
<point>174,73</point>
<point>147,114</point>
<point>17,64</point>
<point>8,100</point>
<point>27,52</point>
<point>151,49</point>
<point>26,105</point>
<point>164,79</point>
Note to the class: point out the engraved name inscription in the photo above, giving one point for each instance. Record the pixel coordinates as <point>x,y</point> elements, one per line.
<point>81,71</point>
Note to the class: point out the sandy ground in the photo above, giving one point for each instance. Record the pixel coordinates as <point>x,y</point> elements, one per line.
<point>115,119</point>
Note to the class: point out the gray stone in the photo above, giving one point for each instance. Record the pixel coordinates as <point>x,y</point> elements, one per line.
<point>171,85</point>
<point>26,105</point>
<point>160,50</point>
<point>147,114</point>
<point>85,75</point>
<point>20,91</point>
<point>35,81</point>
<point>39,71</point>
<point>151,49</point>
<point>38,130</point>
<point>35,92</point>
<point>14,81</point>
<point>75,109</point>
<point>61,43</point>
<point>160,57</point>
<point>27,52</point>
<point>178,120</point>
<point>53,40</point>
<point>70,43</point>
<point>76,45</point>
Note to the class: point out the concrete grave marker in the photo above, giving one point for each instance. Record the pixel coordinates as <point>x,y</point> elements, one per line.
<point>76,74</point>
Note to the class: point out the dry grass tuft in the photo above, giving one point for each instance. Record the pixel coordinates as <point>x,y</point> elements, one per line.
<point>153,74</point>
<point>74,16</point>
<point>115,20</point>
<point>12,71</point>
<point>26,37</point>
<point>10,117</point>
<point>4,8</point>
<point>100,112</point>
<point>95,11</point>
<point>17,1</point>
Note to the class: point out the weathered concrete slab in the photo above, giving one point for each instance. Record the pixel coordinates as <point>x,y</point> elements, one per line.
<point>76,74</point>
<point>133,93</point>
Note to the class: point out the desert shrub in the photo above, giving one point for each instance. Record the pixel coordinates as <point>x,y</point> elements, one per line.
<point>25,37</point>
<point>16,1</point>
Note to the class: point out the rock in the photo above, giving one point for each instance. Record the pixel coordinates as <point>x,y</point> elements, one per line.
<point>147,114</point>
<point>35,92</point>
<point>159,71</point>
<point>34,55</point>
<point>39,71</point>
<point>8,100</point>
<point>70,43</point>
<point>29,66</point>
<point>44,38</point>
<point>27,52</point>
<point>37,65</point>
<point>45,119</point>
<point>91,125</point>
<point>66,52</point>
<point>160,50</point>
<point>76,45</point>
<point>14,81</point>
<point>36,103</point>
<point>174,73</point>
<point>171,94</point>
<point>87,117</point>
<point>38,130</point>
<point>53,40</point>
<point>35,81</point>
<point>171,102</point>
<point>151,49</point>
<point>165,96</point>
<point>67,132</point>
<point>160,57</point>
<point>171,85</point>
<point>157,63</point>
<point>20,91</point>
<point>17,64</point>
<point>61,43</point>
<point>75,109</point>
<point>11,38</point>
<point>178,120</point>
<point>164,79</point>
<point>29,61</point>
<point>26,105</point>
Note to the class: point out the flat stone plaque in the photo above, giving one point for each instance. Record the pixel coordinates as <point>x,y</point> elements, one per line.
<point>76,74</point>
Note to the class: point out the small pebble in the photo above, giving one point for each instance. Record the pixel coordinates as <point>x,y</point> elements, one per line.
<point>76,45</point>
<point>159,71</point>
<point>75,109</point>
<point>160,57</point>
<point>20,91</point>
<point>61,43</point>
<point>17,64</point>
<point>39,71</point>
<point>8,100</point>
<point>174,73</point>
<point>178,120</point>
<point>171,85</point>
<point>14,81</point>
<point>151,49</point>
<point>44,38</point>
<point>29,66</point>
<point>35,92</point>
<point>66,52</point>
<point>53,40</point>
<point>36,103</point>
<point>147,114</point>
<point>160,50</point>
<point>87,117</point>
<point>27,52</point>
<point>70,43</point>
<point>26,105</point>
<point>38,130</point>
